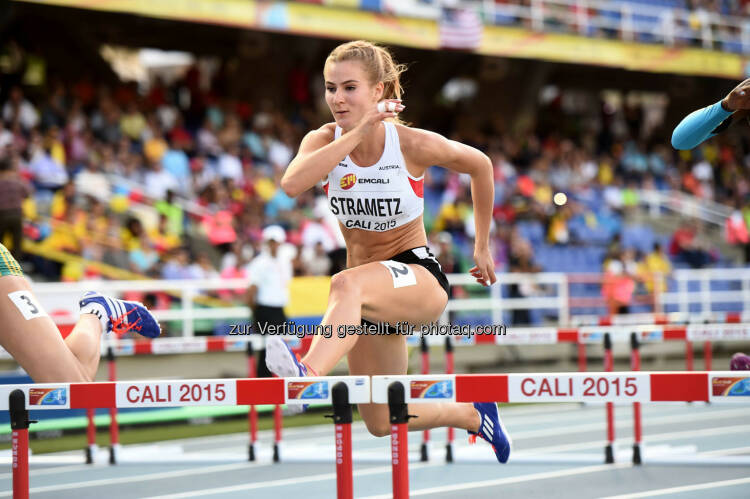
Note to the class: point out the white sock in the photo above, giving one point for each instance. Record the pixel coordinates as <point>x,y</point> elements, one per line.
<point>99,311</point>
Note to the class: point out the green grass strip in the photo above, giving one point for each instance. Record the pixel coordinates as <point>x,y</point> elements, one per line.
<point>144,417</point>
<point>172,432</point>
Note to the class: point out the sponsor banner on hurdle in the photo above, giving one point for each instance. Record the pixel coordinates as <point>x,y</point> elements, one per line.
<point>301,391</point>
<point>121,348</point>
<point>649,334</point>
<point>714,332</point>
<point>180,345</point>
<point>617,387</point>
<point>729,387</point>
<point>579,387</point>
<point>176,393</point>
<point>424,388</point>
<point>528,336</point>
<point>595,334</point>
<point>166,346</point>
<point>42,396</point>
<point>620,334</point>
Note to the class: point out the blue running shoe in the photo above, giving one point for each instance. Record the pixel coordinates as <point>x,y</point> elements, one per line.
<point>120,316</point>
<point>281,361</point>
<point>492,430</point>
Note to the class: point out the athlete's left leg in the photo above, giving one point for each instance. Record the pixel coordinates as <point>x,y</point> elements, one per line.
<point>371,291</point>
<point>378,293</point>
<point>379,355</point>
<point>34,341</point>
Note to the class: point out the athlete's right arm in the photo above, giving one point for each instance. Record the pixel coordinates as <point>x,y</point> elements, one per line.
<point>709,121</point>
<point>700,125</point>
<point>318,155</point>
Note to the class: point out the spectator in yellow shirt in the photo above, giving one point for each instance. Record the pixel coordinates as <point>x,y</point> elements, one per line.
<point>657,268</point>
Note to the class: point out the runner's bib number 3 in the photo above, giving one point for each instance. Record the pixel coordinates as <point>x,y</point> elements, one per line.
<point>27,304</point>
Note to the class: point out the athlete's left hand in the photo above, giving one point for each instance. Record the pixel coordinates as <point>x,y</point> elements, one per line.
<point>484,270</point>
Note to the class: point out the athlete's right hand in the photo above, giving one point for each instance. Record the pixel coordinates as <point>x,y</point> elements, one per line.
<point>739,98</point>
<point>372,117</point>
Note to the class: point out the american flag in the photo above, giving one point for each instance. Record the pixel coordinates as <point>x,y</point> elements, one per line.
<point>460,29</point>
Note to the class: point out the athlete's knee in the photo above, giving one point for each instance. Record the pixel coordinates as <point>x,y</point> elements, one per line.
<point>378,427</point>
<point>344,284</point>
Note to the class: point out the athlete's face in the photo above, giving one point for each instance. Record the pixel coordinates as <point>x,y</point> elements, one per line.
<point>349,93</point>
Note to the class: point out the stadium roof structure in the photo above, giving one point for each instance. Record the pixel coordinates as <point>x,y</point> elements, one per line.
<point>330,21</point>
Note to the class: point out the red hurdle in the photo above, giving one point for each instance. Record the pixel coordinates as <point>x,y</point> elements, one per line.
<point>399,418</point>
<point>424,349</point>
<point>635,365</point>
<point>252,414</point>
<point>19,424</point>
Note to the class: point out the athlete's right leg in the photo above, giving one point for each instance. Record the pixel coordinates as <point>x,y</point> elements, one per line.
<point>34,341</point>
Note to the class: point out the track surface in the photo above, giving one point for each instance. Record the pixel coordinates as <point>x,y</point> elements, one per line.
<point>558,452</point>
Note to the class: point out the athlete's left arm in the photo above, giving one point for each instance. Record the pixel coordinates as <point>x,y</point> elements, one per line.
<point>425,148</point>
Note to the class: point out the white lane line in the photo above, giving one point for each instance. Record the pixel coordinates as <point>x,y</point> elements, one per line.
<point>285,481</point>
<point>727,452</point>
<point>505,481</point>
<point>589,427</point>
<point>141,478</point>
<point>512,416</point>
<point>560,429</point>
<point>539,413</point>
<point>657,437</point>
<point>683,488</point>
<point>50,471</point>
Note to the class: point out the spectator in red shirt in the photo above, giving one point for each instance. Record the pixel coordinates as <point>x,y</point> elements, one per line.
<point>685,247</point>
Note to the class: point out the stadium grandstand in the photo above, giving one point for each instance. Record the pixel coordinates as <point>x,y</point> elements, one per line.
<point>151,138</point>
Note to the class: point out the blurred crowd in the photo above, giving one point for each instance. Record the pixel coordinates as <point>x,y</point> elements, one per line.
<point>178,182</point>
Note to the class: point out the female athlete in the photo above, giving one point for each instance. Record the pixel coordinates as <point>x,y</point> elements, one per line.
<point>31,337</point>
<point>372,170</point>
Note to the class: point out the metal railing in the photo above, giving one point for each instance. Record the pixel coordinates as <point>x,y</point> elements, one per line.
<point>624,20</point>
<point>690,292</point>
<point>684,204</point>
<point>628,21</point>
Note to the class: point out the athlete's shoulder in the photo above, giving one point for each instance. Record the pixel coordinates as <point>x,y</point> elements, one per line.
<point>315,139</point>
<point>415,138</point>
<point>416,142</point>
<point>325,132</point>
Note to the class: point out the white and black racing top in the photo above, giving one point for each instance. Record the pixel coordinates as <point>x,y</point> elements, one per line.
<point>378,197</point>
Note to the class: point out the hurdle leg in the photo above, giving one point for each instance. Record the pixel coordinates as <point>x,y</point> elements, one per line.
<point>688,355</point>
<point>90,436</point>
<point>423,451</point>
<point>449,370</point>
<point>707,355</point>
<point>342,419</point>
<point>635,365</point>
<point>581,355</point>
<point>252,415</point>
<point>399,418</point>
<point>114,430</point>
<point>609,456</point>
<point>277,422</point>
<point>19,424</point>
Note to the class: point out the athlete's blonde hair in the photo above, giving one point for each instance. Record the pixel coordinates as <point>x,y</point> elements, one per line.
<point>377,62</point>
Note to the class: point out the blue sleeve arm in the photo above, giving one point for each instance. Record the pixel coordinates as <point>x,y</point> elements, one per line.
<point>701,125</point>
